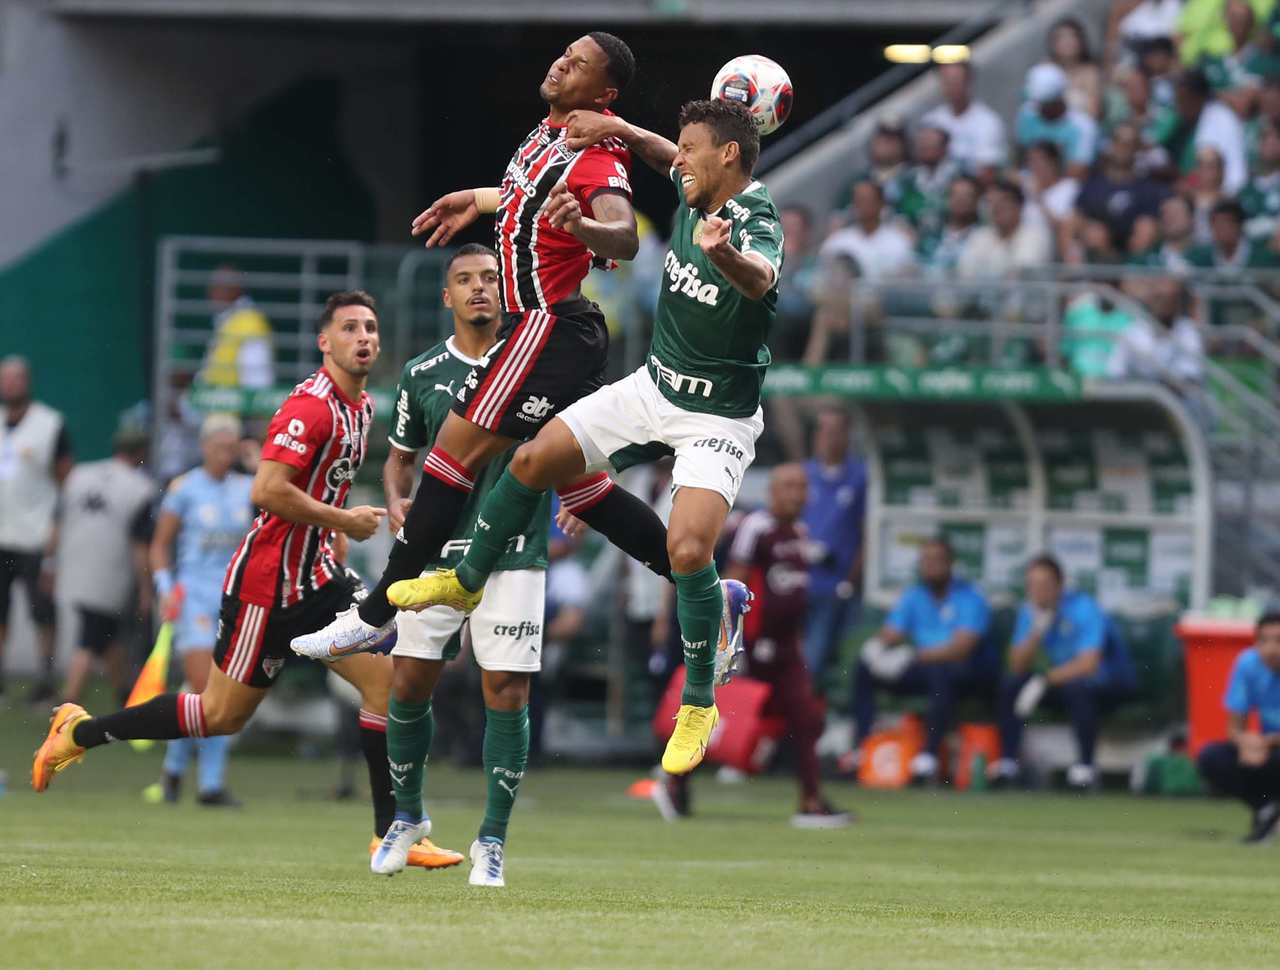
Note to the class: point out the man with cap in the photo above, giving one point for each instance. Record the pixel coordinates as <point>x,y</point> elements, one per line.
<point>1045,116</point>
<point>103,527</point>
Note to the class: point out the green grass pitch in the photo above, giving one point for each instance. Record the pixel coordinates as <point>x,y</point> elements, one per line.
<point>92,878</point>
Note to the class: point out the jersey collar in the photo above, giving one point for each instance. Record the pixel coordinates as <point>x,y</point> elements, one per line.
<point>450,346</point>
<point>338,390</point>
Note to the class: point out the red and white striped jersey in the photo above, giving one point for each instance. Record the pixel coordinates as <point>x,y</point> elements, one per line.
<point>324,435</point>
<point>542,265</point>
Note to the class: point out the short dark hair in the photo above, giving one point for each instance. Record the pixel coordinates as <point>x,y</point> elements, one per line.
<point>969,180</point>
<point>470,249</point>
<point>943,543</point>
<point>1011,189</point>
<point>728,121</point>
<point>1267,619</point>
<point>1196,82</point>
<point>803,211</point>
<point>867,181</point>
<point>336,301</point>
<point>620,63</point>
<point>1157,45</point>
<point>1049,148</point>
<point>1228,207</point>
<point>1046,561</point>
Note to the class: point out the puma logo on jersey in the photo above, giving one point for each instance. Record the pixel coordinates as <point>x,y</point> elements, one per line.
<point>535,409</point>
<point>684,279</point>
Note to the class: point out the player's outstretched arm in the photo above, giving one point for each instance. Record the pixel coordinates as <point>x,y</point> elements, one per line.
<point>749,273</point>
<point>450,214</point>
<point>588,128</point>
<point>274,492</point>
<point>612,233</point>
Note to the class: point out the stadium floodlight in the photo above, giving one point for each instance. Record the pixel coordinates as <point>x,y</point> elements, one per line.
<point>951,53</point>
<point>908,53</point>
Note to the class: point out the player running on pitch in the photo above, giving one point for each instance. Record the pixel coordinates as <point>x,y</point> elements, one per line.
<point>505,630</point>
<point>697,397</point>
<point>560,209</point>
<point>283,578</point>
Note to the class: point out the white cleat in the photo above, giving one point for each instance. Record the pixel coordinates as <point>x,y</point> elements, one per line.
<point>486,864</point>
<point>345,635</point>
<point>393,854</point>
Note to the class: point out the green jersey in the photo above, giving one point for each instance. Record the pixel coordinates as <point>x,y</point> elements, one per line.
<point>708,352</point>
<point>423,398</point>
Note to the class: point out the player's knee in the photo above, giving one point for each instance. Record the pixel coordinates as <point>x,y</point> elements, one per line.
<point>222,719</point>
<point>531,465</point>
<point>688,553</point>
<point>411,683</point>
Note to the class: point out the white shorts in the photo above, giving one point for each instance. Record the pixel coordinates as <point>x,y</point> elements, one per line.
<point>506,628</point>
<point>631,415</point>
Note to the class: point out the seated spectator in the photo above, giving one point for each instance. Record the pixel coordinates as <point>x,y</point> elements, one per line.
<point>1268,113</point>
<point>1166,348</point>
<point>1045,117</point>
<point>1260,198</point>
<point>887,162</point>
<point>1132,24</point>
<point>878,249</point>
<point>1204,188</point>
<point>922,650</point>
<point>1176,237</point>
<point>1198,121</point>
<point>1056,656</point>
<point>1235,74</point>
<point>798,283</point>
<point>1229,250</point>
<point>1050,193</point>
<point>923,200</point>
<point>1068,47</point>
<point>1158,60</point>
<point>1203,29</point>
<point>978,143</point>
<point>1090,326</point>
<point>1247,765</point>
<point>1010,244</point>
<point>1128,101</point>
<point>939,251</point>
<point>1114,194</point>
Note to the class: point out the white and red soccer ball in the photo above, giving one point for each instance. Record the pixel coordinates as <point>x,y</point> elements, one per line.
<point>758,83</point>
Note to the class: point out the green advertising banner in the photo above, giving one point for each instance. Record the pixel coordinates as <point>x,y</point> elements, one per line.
<point>942,383</point>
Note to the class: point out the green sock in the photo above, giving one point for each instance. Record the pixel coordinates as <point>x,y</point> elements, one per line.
<point>506,752</point>
<point>699,603</point>
<point>409,730</point>
<point>504,514</point>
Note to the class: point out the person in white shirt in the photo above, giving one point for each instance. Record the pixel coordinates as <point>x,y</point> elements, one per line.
<point>35,459</point>
<point>1051,196</point>
<point>1215,125</point>
<point>880,250</point>
<point>1010,244</point>
<point>978,141</point>
<point>1166,348</point>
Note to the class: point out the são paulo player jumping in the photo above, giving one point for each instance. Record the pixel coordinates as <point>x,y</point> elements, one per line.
<point>697,397</point>
<point>560,209</point>
<point>284,578</point>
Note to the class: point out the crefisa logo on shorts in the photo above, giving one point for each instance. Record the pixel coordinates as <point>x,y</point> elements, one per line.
<point>525,628</point>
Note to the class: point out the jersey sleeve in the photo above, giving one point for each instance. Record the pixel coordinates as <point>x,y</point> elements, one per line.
<point>1090,627</point>
<point>298,431</point>
<point>746,542</point>
<point>408,430</point>
<point>174,500</point>
<point>972,614</point>
<point>1022,624</point>
<point>600,169</point>
<point>761,235</point>
<point>899,617</point>
<point>1237,699</point>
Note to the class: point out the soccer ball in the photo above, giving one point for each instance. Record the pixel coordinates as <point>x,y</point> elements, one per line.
<point>758,83</point>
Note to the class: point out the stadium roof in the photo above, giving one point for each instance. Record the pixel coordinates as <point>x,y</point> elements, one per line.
<point>915,13</point>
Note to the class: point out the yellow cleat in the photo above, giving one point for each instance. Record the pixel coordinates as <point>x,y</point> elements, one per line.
<point>440,588</point>
<point>688,743</point>
<point>59,750</point>
<point>425,854</point>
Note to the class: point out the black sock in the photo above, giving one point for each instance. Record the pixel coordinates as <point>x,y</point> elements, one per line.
<point>431,522</point>
<point>156,719</point>
<point>373,742</point>
<point>632,526</point>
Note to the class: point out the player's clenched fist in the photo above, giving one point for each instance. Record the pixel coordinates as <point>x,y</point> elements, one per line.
<point>715,235</point>
<point>563,211</point>
<point>363,521</point>
<point>447,216</point>
<point>586,128</point>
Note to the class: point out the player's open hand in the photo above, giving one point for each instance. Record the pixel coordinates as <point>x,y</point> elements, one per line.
<point>586,128</point>
<point>570,524</point>
<point>396,513</point>
<point>447,216</point>
<point>563,211</point>
<point>715,236</point>
<point>363,521</point>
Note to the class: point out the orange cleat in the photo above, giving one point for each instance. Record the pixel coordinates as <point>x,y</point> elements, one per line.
<point>59,750</point>
<point>425,854</point>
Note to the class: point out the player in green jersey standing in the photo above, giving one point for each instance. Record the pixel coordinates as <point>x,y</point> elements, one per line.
<point>505,630</point>
<point>697,397</point>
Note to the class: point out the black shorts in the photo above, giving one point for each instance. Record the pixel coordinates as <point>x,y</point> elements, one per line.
<point>253,641</point>
<point>543,362</point>
<point>97,630</point>
<point>25,567</point>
